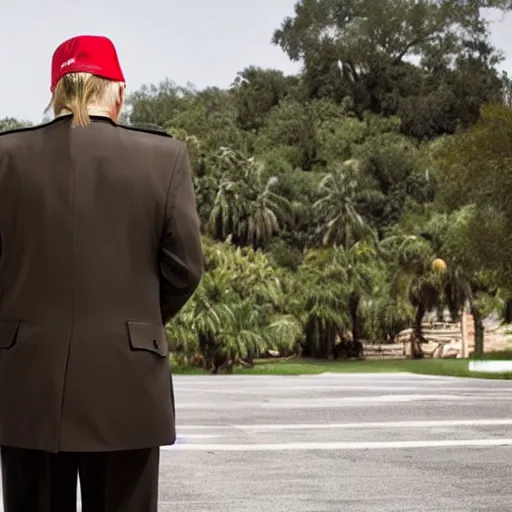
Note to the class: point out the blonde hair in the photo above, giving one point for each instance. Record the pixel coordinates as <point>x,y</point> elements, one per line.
<point>83,94</point>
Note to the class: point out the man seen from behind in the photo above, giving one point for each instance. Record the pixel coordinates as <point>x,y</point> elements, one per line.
<point>99,249</point>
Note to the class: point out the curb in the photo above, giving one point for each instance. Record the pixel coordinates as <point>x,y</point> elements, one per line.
<point>491,366</point>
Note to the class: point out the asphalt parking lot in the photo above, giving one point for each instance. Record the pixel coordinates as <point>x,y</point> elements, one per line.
<point>339,443</point>
<point>336,443</point>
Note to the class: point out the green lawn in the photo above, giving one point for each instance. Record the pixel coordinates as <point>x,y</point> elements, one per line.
<point>448,367</point>
<point>495,356</point>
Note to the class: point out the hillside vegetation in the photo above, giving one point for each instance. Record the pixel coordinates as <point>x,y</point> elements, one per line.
<point>325,197</point>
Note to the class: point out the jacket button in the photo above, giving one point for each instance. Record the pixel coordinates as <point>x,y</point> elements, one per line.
<point>155,344</point>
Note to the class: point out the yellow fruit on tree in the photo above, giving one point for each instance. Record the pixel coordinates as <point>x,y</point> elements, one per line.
<point>439,265</point>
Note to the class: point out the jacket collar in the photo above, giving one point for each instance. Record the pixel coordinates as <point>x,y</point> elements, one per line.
<point>93,117</point>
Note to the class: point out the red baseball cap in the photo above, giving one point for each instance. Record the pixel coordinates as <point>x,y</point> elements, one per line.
<point>86,54</point>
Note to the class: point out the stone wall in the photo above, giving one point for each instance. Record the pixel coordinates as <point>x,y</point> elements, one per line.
<point>444,340</point>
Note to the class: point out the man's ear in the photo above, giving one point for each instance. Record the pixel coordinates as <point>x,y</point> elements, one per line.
<point>120,99</point>
<point>122,94</point>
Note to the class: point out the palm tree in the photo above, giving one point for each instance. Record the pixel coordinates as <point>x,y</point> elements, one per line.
<point>238,311</point>
<point>245,207</point>
<point>357,266</point>
<point>284,333</point>
<point>410,258</point>
<point>384,315</point>
<point>320,301</point>
<point>467,284</point>
<point>340,221</point>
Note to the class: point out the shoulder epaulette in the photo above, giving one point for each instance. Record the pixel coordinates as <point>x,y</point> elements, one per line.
<point>155,130</point>
<point>23,129</point>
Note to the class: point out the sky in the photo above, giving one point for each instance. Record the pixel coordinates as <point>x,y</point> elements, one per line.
<point>203,42</point>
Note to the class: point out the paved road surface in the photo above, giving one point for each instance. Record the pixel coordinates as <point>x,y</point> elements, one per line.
<point>336,443</point>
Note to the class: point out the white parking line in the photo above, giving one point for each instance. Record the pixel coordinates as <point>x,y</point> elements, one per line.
<point>339,402</point>
<point>337,387</point>
<point>341,446</point>
<point>198,436</point>
<point>334,426</point>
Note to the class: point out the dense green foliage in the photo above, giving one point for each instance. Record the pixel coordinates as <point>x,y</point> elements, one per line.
<point>325,197</point>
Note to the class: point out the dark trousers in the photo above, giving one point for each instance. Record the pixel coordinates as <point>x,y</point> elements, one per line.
<point>36,481</point>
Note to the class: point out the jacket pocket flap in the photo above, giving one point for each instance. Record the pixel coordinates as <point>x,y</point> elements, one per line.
<point>148,336</point>
<point>8,333</point>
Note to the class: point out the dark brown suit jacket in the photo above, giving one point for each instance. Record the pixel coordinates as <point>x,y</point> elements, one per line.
<point>99,248</point>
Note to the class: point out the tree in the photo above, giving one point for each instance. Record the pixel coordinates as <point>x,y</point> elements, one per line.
<point>291,126</point>
<point>209,115</point>
<point>362,51</point>
<point>10,123</point>
<point>395,172</point>
<point>475,168</point>
<point>156,105</point>
<point>360,268</point>
<point>341,223</point>
<point>237,313</point>
<point>409,258</point>
<point>256,91</point>
<point>466,281</point>
<point>319,300</point>
<point>245,208</point>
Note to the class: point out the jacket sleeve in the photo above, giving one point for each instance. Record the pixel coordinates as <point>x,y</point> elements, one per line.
<point>181,255</point>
